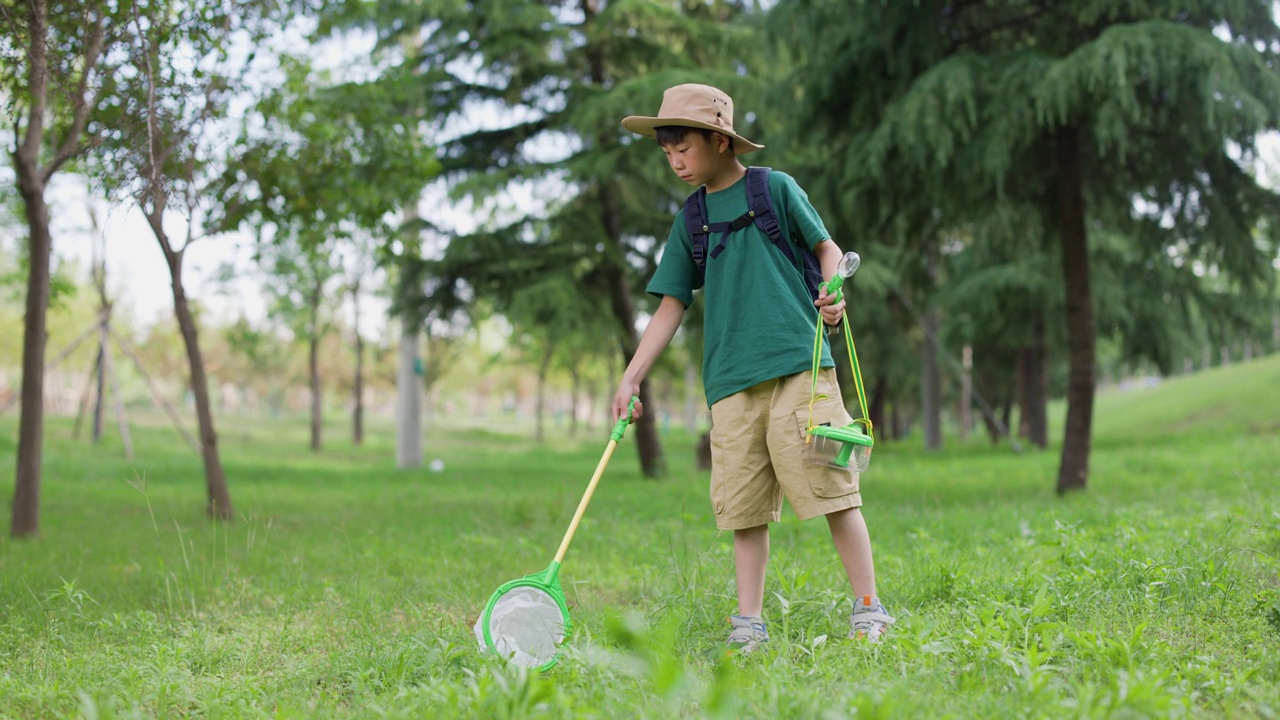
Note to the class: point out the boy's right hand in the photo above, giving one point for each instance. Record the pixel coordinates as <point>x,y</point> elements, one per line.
<point>622,398</point>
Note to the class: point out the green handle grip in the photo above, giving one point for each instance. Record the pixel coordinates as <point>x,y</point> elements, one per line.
<point>620,427</point>
<point>834,286</point>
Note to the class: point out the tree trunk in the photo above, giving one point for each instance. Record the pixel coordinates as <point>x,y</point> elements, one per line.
<point>32,181</point>
<point>313,366</point>
<point>1006,413</point>
<point>26,495</point>
<point>965,409</point>
<point>652,463</point>
<point>1034,390</point>
<point>994,380</point>
<point>215,479</point>
<point>357,411</point>
<point>540,402</point>
<point>575,375</point>
<point>100,380</point>
<point>1275,329</point>
<point>1020,388</point>
<point>931,385</point>
<point>877,402</point>
<point>317,414</point>
<point>408,396</point>
<point>82,405</point>
<point>1073,470</point>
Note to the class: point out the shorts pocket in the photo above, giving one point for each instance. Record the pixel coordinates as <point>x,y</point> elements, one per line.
<point>825,481</point>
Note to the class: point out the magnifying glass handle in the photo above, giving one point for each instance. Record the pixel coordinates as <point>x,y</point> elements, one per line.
<point>834,286</point>
<point>846,268</point>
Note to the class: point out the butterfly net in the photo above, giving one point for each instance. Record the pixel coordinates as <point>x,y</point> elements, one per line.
<point>526,626</point>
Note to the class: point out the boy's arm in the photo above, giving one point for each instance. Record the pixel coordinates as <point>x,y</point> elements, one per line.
<point>829,258</point>
<point>662,327</point>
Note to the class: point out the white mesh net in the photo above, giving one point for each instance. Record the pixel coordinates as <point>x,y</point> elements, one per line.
<point>526,626</point>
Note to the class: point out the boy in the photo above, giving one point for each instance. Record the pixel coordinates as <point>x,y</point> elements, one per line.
<point>758,356</point>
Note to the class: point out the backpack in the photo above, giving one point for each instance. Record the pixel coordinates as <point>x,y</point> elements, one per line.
<point>760,210</point>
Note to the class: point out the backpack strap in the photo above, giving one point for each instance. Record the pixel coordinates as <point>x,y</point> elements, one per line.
<point>761,211</point>
<point>766,218</point>
<point>700,230</point>
<point>695,222</point>
<point>760,204</point>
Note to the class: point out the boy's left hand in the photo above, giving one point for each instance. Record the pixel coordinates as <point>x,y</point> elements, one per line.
<point>831,311</point>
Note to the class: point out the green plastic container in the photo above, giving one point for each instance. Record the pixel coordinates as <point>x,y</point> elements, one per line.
<point>847,446</point>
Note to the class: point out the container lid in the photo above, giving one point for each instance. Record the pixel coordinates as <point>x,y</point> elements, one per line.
<point>851,433</point>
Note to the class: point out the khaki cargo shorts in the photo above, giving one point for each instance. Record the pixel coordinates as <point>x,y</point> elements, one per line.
<point>758,453</point>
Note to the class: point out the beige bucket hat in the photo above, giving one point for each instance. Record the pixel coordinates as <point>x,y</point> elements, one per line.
<point>695,106</point>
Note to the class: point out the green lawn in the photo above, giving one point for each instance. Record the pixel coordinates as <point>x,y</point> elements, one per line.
<point>348,589</point>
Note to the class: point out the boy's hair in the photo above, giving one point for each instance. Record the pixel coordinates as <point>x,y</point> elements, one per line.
<point>675,134</point>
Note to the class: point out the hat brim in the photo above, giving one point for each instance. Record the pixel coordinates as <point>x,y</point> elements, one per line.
<point>648,126</point>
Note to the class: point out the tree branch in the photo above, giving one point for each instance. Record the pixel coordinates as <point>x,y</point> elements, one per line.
<point>17,125</point>
<point>1014,23</point>
<point>71,145</point>
<point>152,187</point>
<point>28,151</point>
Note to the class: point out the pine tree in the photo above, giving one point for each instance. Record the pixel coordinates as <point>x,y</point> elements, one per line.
<point>530,94</point>
<point>1137,119</point>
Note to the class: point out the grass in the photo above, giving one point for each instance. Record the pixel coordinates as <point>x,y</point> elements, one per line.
<point>346,588</point>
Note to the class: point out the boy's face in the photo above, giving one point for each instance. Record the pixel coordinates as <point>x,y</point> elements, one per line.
<point>697,158</point>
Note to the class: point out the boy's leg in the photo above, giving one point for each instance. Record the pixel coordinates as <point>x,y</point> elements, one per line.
<point>853,543</point>
<point>750,557</point>
<point>817,489</point>
<point>870,620</point>
<point>744,489</point>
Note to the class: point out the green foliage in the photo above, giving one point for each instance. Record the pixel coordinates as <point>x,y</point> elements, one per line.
<point>1151,597</point>
<point>304,273</point>
<point>933,128</point>
<point>257,359</point>
<point>959,121</point>
<point>321,155</point>
<point>80,66</point>
<point>320,165</point>
<point>159,118</point>
<point>531,94</point>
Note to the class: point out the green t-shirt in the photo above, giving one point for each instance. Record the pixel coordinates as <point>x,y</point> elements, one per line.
<point>760,319</point>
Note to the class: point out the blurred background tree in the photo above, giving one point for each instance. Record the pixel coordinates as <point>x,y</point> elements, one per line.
<point>1046,127</point>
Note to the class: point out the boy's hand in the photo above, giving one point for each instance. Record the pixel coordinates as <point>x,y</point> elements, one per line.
<point>622,398</point>
<point>831,311</point>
